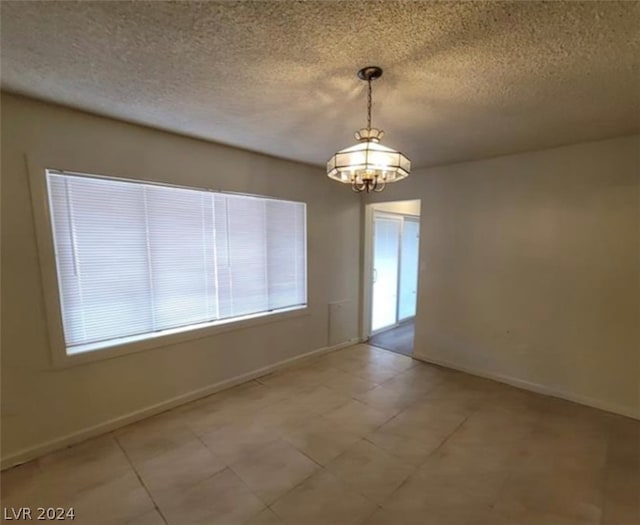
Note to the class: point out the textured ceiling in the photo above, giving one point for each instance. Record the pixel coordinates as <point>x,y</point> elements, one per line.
<point>463,80</point>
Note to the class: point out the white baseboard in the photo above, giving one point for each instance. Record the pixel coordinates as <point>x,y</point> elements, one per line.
<point>535,387</point>
<point>30,453</point>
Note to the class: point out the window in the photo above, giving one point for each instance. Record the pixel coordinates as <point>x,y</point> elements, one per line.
<point>136,259</point>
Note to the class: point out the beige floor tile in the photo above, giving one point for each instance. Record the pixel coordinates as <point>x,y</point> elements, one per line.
<point>320,400</point>
<point>179,467</point>
<point>150,437</point>
<point>456,514</point>
<point>151,517</point>
<point>368,370</point>
<point>565,448</point>
<point>623,439</point>
<point>323,500</point>
<point>389,397</point>
<point>451,397</point>
<point>425,423</point>
<point>228,407</point>
<point>293,379</point>
<point>411,451</point>
<point>620,514</point>
<point>235,441</point>
<point>357,418</point>
<point>440,496</point>
<point>573,496</point>
<point>481,440</point>
<point>290,381</point>
<point>222,499</point>
<point>514,514</point>
<point>371,353</point>
<point>489,422</point>
<point>335,359</point>
<point>26,486</point>
<point>385,517</point>
<point>479,458</point>
<point>17,480</point>
<point>274,470</point>
<point>622,483</point>
<point>395,361</point>
<point>262,398</point>
<point>266,517</point>
<point>375,373</point>
<point>622,493</point>
<point>370,470</point>
<point>452,463</point>
<point>431,371</point>
<point>456,397</point>
<point>321,440</point>
<point>212,417</point>
<point>515,400</point>
<point>250,391</point>
<point>185,415</point>
<point>284,414</point>
<point>348,383</point>
<point>422,376</point>
<point>85,464</point>
<point>441,484</point>
<point>119,500</point>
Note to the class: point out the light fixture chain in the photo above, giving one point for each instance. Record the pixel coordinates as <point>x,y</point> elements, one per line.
<point>369,105</point>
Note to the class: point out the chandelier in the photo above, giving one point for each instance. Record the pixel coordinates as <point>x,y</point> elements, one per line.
<point>368,165</point>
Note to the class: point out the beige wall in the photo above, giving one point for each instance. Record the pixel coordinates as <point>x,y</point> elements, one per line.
<point>530,269</point>
<point>41,404</point>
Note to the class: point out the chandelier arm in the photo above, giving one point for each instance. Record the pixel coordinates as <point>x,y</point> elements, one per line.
<point>358,187</point>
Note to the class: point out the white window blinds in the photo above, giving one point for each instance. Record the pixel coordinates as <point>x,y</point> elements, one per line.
<point>135,258</point>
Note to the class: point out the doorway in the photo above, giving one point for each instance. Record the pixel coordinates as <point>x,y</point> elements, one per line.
<point>394,235</point>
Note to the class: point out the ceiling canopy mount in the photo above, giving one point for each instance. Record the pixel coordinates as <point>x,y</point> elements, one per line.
<point>370,73</point>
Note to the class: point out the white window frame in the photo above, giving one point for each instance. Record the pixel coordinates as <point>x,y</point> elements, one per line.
<point>37,170</point>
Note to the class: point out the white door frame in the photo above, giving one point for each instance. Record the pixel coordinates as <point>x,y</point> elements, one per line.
<point>367,274</point>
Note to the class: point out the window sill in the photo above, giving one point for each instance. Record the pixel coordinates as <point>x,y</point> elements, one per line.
<point>128,345</point>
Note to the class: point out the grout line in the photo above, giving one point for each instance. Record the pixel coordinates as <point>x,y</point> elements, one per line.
<point>217,458</point>
<point>420,464</point>
<point>42,470</point>
<point>268,505</point>
<point>228,467</point>
<point>135,471</point>
<point>283,438</point>
<point>322,467</point>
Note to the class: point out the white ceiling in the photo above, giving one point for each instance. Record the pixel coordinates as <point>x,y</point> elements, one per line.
<point>462,81</point>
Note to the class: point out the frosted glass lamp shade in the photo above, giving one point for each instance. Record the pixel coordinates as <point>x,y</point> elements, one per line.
<point>368,161</point>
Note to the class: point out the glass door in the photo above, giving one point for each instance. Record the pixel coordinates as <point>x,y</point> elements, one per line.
<point>386,250</point>
<point>409,268</point>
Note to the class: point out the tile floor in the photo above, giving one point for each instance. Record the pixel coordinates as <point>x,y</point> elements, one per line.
<point>358,436</point>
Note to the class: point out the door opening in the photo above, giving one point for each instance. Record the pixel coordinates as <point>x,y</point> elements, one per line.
<point>394,232</point>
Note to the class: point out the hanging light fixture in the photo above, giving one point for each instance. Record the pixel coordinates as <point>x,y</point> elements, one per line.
<point>368,165</point>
